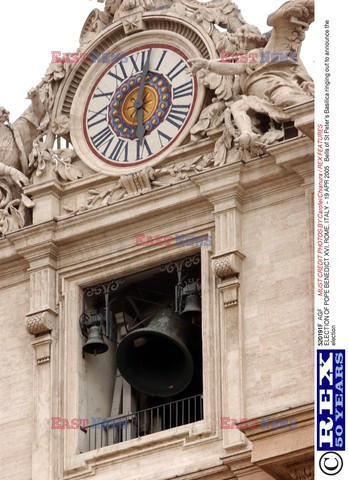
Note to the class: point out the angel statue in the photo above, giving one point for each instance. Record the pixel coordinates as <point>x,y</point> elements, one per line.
<point>268,78</point>
<point>16,140</point>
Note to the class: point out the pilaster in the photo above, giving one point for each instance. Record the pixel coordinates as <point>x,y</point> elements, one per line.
<point>226,195</point>
<point>41,322</point>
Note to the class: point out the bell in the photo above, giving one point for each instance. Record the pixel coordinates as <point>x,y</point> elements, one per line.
<point>156,359</point>
<point>192,307</point>
<point>95,343</point>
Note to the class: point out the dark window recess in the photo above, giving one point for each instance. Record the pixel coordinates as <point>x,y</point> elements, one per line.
<point>285,130</point>
<point>153,321</point>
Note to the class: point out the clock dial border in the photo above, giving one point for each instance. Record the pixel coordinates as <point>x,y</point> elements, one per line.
<point>96,71</point>
<point>105,72</point>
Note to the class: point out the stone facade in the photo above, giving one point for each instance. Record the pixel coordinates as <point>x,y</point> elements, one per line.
<point>252,194</point>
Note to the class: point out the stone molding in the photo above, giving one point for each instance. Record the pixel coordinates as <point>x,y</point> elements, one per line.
<point>42,347</point>
<point>283,452</point>
<point>241,466</point>
<point>303,116</point>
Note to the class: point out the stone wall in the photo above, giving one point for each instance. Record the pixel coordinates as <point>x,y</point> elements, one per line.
<point>16,383</point>
<point>277,306</point>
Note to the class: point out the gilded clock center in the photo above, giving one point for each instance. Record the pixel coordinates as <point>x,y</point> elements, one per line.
<point>150,104</point>
<point>157,96</point>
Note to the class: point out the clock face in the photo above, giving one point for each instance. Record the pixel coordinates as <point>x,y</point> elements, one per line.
<point>139,105</point>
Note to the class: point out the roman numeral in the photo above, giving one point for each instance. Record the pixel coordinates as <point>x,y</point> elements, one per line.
<point>101,120</point>
<point>134,61</point>
<point>103,94</point>
<point>177,115</point>
<point>115,75</point>
<point>141,147</point>
<point>176,70</point>
<point>183,90</point>
<point>108,145</point>
<point>102,112</point>
<point>163,135</point>
<point>120,148</point>
<point>101,137</point>
<point>164,52</point>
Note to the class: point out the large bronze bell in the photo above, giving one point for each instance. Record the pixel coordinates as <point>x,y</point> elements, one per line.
<point>155,359</point>
<point>95,343</point>
<point>192,307</point>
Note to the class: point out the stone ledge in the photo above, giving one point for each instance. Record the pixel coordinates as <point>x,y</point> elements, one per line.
<point>283,452</point>
<point>303,116</point>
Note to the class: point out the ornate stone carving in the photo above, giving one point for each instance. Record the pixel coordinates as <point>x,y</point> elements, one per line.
<point>227,265</point>
<point>61,159</point>
<point>128,11</point>
<point>222,267</point>
<point>263,85</point>
<point>39,323</point>
<point>12,210</point>
<point>221,13</point>
<point>16,139</point>
<point>24,146</point>
<point>134,22</point>
<point>95,23</point>
<point>304,471</point>
<point>143,181</point>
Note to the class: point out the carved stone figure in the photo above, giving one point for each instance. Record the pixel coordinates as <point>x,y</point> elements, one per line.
<point>16,140</point>
<point>273,77</point>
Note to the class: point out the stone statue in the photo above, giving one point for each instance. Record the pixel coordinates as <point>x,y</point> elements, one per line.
<point>269,78</point>
<point>16,140</point>
<point>114,7</point>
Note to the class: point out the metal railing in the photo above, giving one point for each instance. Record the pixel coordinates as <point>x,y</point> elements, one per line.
<point>144,422</point>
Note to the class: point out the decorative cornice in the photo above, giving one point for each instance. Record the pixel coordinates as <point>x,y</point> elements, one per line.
<point>256,430</point>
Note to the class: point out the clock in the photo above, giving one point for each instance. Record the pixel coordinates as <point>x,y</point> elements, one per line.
<point>133,111</point>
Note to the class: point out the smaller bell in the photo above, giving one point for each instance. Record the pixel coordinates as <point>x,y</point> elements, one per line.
<point>192,307</point>
<point>95,343</point>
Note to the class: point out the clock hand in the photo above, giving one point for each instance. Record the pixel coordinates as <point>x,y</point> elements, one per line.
<point>140,131</point>
<point>139,102</point>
